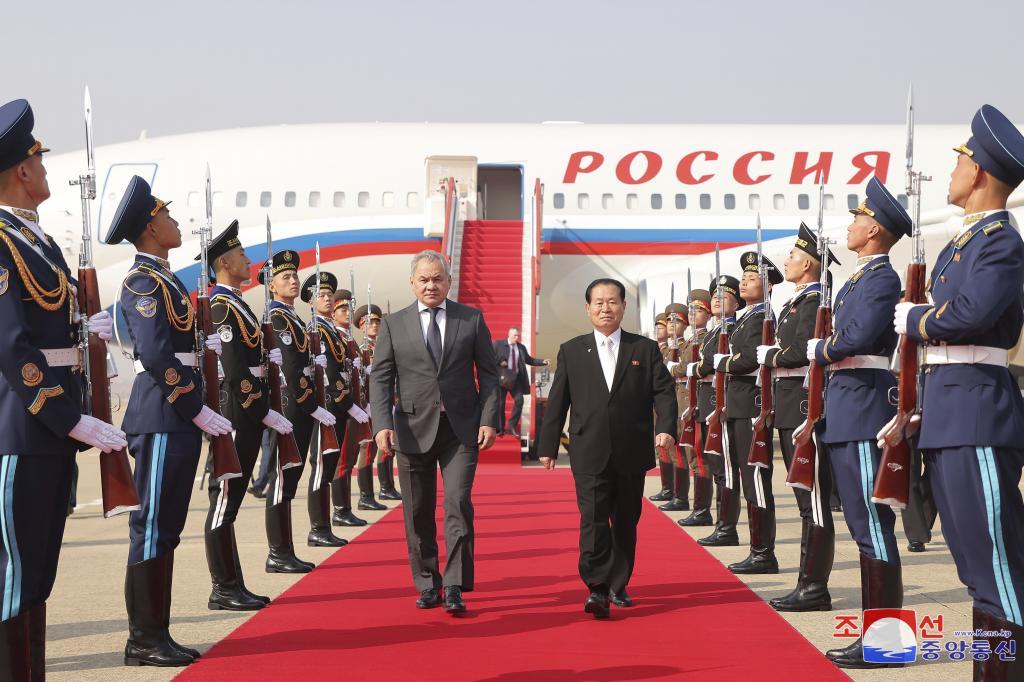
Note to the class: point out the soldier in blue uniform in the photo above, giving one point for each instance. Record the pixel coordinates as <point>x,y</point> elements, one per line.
<point>245,401</point>
<point>860,397</point>
<point>164,420</point>
<point>40,398</point>
<point>972,429</point>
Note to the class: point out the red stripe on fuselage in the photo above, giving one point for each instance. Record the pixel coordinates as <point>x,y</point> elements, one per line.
<point>632,248</point>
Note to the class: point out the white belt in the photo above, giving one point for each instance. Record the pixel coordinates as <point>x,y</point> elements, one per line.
<point>786,372</point>
<point>62,357</point>
<point>861,362</point>
<point>705,381</point>
<point>258,372</point>
<point>967,355</point>
<point>186,359</point>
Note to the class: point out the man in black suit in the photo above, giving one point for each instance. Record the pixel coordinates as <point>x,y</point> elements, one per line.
<point>513,358</point>
<point>615,382</point>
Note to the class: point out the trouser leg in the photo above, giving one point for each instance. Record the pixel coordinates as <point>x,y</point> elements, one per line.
<point>872,525</point>
<point>418,475</point>
<point>458,470</point>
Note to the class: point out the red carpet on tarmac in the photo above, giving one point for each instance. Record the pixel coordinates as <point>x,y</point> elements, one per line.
<point>353,617</point>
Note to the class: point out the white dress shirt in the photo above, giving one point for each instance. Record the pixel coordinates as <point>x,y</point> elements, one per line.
<point>442,315</point>
<point>608,357</point>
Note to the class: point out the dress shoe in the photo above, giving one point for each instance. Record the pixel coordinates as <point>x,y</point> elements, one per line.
<point>323,537</point>
<point>675,504</point>
<point>718,539</point>
<point>515,434</point>
<point>367,503</point>
<point>283,561</point>
<point>390,494</point>
<point>837,508</point>
<point>756,564</point>
<point>345,517</point>
<point>698,517</point>
<point>597,605</point>
<point>453,599</point>
<point>429,598</point>
<point>257,492</point>
<point>664,496</point>
<point>916,547</point>
<point>621,598</point>
<point>853,657</point>
<point>807,596</point>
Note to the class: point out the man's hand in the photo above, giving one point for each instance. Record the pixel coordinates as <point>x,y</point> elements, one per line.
<point>719,357</point>
<point>275,356</point>
<point>547,462</point>
<point>812,349</point>
<point>213,342</point>
<point>504,363</point>
<point>547,362</point>
<point>102,325</point>
<point>485,437</point>
<point>664,441</point>
<point>762,353</point>
<point>385,441</point>
<point>899,321</point>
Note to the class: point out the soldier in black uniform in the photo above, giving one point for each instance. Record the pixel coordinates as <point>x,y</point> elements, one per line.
<point>789,360</point>
<point>700,311</point>
<point>300,408</point>
<point>40,398</point>
<point>664,463</point>
<point>165,419</point>
<point>245,400</point>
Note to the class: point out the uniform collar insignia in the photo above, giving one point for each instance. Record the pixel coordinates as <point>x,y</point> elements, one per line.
<point>973,218</point>
<point>26,214</point>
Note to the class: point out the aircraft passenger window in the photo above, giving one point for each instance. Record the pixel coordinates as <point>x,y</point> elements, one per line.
<point>314,199</point>
<point>193,200</point>
<point>830,202</point>
<point>412,200</point>
<point>339,200</point>
<point>583,200</point>
<point>779,202</point>
<point>218,199</point>
<point>656,202</point>
<point>730,201</point>
<point>754,202</point>
<point>632,202</point>
<point>264,199</point>
<point>705,201</point>
<point>680,202</point>
<point>241,199</point>
<point>902,198</point>
<point>607,202</point>
<point>803,202</point>
<point>558,200</point>
<point>289,199</point>
<point>387,200</point>
<point>851,201</point>
<point>363,199</point>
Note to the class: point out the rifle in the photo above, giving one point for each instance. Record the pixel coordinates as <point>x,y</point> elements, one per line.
<point>714,442</point>
<point>287,447</point>
<point>328,434</point>
<point>691,434</point>
<point>760,454</point>
<point>892,483</point>
<point>222,448</point>
<point>802,468</point>
<point>116,481</point>
<point>355,374</point>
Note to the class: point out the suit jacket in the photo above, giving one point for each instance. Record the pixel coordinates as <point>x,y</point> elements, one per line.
<point>404,377</point>
<point>613,427</point>
<point>501,351</point>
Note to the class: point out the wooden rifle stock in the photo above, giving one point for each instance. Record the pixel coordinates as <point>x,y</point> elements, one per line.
<point>116,481</point>
<point>716,421</point>
<point>328,434</point>
<point>801,470</point>
<point>287,448</point>
<point>690,433</point>
<point>892,484</point>
<point>760,444</point>
<point>225,458</point>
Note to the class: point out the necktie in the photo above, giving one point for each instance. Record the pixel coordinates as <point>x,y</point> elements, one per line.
<point>609,365</point>
<point>434,338</point>
<point>512,361</point>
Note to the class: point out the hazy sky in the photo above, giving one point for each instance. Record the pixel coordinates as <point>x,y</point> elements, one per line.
<point>187,65</point>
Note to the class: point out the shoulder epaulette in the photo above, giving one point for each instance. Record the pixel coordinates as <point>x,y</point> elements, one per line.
<point>994,227</point>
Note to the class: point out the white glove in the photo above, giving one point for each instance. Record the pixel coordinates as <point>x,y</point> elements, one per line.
<point>672,343</point>
<point>276,420</point>
<point>211,422</point>
<point>719,357</point>
<point>213,343</point>
<point>910,429</point>
<point>812,349</point>
<point>358,363</point>
<point>102,325</point>
<point>275,357</point>
<point>900,318</point>
<point>691,369</point>
<point>688,334</point>
<point>358,414</point>
<point>320,360</point>
<point>762,353</point>
<point>369,369</point>
<point>324,417</point>
<point>99,434</point>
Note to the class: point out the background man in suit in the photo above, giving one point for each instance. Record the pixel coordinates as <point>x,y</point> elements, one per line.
<point>615,382</point>
<point>427,409</point>
<point>513,357</point>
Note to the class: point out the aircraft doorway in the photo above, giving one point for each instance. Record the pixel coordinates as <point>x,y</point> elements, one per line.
<point>500,192</point>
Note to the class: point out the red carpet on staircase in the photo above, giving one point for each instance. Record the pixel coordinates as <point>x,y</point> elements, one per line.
<point>491,279</point>
<point>353,618</point>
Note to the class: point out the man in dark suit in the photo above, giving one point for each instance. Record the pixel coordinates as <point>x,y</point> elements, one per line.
<point>615,382</point>
<point>513,357</point>
<point>426,407</point>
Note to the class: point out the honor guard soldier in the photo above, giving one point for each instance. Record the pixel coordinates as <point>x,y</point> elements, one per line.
<point>368,321</point>
<point>744,406</point>
<point>164,420</point>
<point>699,313</point>
<point>972,433</point>
<point>664,462</point>
<point>245,401</point>
<point>677,322</point>
<point>300,409</point>
<point>727,499</point>
<point>339,400</point>
<point>789,362</point>
<point>341,486</point>
<point>40,398</point>
<point>860,396</point>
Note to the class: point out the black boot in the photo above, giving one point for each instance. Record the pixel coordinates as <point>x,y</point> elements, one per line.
<point>145,597</point>
<point>762,543</point>
<point>386,476</point>
<point>15,650</point>
<point>320,534</point>
<point>366,500</point>
<point>238,572</point>
<point>881,585</point>
<point>37,641</point>
<point>725,534</point>
<point>680,491</point>
<point>281,558</point>
<point>995,669</point>
<point>168,585</point>
<point>367,503</point>
<point>343,515</point>
<point>666,483</point>
<point>227,593</point>
<point>817,550</point>
<point>701,514</point>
